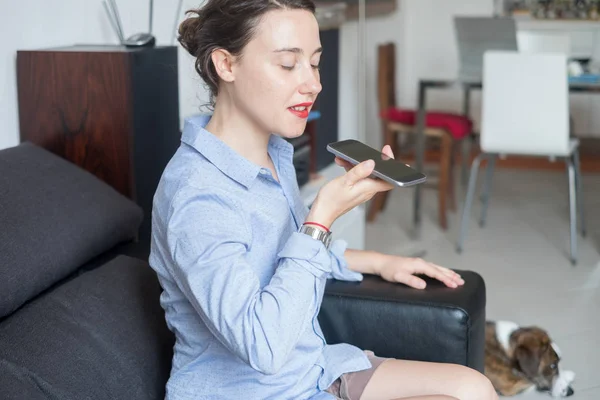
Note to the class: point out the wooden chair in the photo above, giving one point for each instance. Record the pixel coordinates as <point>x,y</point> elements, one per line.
<point>447,128</point>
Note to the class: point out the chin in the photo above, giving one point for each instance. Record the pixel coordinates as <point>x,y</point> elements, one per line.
<point>291,132</point>
<point>289,127</point>
<point>293,135</point>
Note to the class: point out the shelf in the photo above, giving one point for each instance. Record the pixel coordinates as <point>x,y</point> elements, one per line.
<point>557,24</point>
<point>373,8</point>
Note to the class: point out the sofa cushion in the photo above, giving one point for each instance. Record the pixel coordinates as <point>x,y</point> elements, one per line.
<point>54,216</point>
<point>101,335</point>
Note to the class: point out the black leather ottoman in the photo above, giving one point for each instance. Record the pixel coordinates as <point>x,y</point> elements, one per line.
<point>436,324</point>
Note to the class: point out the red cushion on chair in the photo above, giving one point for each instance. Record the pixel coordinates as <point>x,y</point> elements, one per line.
<point>458,126</point>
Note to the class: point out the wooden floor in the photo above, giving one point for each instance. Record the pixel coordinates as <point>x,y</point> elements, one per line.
<point>589,153</point>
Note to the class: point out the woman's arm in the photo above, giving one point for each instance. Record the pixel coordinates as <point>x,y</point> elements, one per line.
<point>208,241</point>
<point>364,262</point>
<point>400,269</point>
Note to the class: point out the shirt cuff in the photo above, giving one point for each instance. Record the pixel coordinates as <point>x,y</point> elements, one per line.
<point>339,265</point>
<point>308,253</point>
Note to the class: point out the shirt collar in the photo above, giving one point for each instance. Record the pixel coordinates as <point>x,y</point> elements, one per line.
<point>224,157</point>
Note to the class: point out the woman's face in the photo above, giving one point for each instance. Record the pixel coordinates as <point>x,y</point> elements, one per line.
<point>276,81</point>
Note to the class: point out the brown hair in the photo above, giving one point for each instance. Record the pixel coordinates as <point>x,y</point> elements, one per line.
<point>228,25</point>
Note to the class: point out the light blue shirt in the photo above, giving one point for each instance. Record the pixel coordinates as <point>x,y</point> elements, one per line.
<point>242,288</point>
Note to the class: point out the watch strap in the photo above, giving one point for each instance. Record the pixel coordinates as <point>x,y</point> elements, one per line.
<point>317,234</point>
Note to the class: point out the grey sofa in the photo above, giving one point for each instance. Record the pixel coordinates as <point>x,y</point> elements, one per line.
<point>79,306</point>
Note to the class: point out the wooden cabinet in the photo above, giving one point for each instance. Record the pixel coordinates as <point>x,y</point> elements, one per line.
<point>111,110</point>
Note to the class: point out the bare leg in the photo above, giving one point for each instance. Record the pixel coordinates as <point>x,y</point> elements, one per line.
<point>402,379</point>
<point>429,398</point>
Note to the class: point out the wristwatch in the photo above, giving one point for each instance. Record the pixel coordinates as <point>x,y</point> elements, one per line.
<point>317,234</point>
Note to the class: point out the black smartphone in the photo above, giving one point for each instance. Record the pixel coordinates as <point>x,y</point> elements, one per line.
<point>386,168</point>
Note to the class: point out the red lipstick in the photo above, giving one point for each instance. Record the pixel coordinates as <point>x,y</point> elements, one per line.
<point>301,113</point>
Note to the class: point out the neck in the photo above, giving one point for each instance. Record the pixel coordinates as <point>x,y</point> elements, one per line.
<point>240,133</point>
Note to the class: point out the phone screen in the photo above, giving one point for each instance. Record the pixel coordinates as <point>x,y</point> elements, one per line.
<point>397,171</point>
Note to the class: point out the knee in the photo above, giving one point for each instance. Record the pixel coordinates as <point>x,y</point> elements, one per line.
<point>475,386</point>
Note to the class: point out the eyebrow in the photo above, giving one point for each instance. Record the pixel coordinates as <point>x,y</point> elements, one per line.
<point>297,50</point>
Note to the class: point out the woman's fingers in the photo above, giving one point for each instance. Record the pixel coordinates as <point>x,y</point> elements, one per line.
<point>410,280</point>
<point>360,176</point>
<point>374,186</point>
<point>382,186</point>
<point>387,150</point>
<point>444,275</point>
<point>343,163</point>
<point>440,276</point>
<point>455,276</point>
<point>359,172</point>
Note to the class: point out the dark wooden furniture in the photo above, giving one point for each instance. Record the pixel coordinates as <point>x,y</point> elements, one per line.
<point>325,129</point>
<point>111,110</point>
<point>444,127</point>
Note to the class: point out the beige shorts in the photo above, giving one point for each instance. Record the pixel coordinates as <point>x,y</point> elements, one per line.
<point>351,386</point>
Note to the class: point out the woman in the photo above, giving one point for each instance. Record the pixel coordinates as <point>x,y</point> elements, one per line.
<point>242,262</point>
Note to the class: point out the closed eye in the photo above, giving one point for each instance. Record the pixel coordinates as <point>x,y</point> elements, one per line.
<point>288,68</point>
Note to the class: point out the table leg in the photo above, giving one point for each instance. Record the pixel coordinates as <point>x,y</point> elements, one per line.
<point>468,141</point>
<point>420,153</point>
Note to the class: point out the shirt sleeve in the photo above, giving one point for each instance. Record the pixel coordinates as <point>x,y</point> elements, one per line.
<point>209,242</point>
<point>339,268</point>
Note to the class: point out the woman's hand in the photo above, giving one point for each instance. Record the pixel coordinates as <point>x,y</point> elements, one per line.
<point>387,150</point>
<point>402,270</point>
<point>342,194</point>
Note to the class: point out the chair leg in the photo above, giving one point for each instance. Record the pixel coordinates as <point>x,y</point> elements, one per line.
<point>376,206</point>
<point>468,201</point>
<point>578,188</point>
<point>380,199</point>
<point>487,186</point>
<point>572,208</point>
<point>467,145</point>
<point>391,138</point>
<point>451,180</point>
<point>446,150</point>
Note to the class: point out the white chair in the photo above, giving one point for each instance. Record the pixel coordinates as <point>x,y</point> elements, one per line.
<point>525,111</point>
<point>546,42</point>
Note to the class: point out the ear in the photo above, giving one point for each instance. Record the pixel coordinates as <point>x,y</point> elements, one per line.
<point>223,63</point>
<point>527,360</point>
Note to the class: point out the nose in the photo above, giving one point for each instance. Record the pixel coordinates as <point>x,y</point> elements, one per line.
<point>311,85</point>
<point>570,392</point>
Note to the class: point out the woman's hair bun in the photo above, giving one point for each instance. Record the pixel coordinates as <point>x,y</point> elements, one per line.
<point>188,32</point>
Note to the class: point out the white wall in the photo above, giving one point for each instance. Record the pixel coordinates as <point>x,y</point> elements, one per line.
<point>422,30</point>
<point>379,30</point>
<point>69,22</point>
<point>33,24</point>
